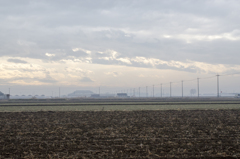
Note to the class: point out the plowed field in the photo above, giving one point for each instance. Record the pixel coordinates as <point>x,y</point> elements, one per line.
<point>120,134</point>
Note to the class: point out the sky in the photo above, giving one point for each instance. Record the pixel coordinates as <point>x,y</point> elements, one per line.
<point>118,44</point>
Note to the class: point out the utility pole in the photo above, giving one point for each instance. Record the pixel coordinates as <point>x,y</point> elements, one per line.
<point>182,89</point>
<point>153,90</point>
<point>161,89</point>
<point>134,92</point>
<point>170,89</point>
<point>9,91</point>
<point>59,92</point>
<point>198,86</point>
<point>139,91</point>
<point>146,92</point>
<point>218,85</point>
<point>99,91</point>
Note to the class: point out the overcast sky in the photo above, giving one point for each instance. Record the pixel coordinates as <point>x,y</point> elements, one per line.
<point>122,43</point>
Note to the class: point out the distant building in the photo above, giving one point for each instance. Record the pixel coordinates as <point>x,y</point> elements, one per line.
<point>95,96</point>
<point>29,96</point>
<point>81,93</point>
<point>4,96</point>
<point>1,94</point>
<point>237,96</point>
<point>122,95</point>
<point>107,95</point>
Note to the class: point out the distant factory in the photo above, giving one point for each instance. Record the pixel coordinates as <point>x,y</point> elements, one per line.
<point>75,94</point>
<point>80,93</point>
<point>88,93</point>
<point>122,95</point>
<point>103,95</point>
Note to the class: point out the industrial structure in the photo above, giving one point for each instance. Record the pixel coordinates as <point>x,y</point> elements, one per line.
<point>80,93</point>
<point>122,95</point>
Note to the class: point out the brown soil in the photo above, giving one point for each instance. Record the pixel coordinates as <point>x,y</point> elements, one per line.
<point>121,134</point>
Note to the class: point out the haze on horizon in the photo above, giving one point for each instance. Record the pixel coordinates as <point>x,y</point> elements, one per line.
<point>117,45</point>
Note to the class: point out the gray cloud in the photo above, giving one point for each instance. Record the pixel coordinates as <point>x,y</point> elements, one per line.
<point>16,61</point>
<point>46,79</point>
<point>5,81</point>
<point>204,31</point>
<point>86,79</point>
<point>27,79</point>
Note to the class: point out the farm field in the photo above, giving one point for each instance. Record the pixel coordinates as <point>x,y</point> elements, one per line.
<point>110,105</point>
<point>97,107</point>
<point>120,134</point>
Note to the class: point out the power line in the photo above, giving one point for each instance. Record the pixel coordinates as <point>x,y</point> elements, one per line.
<point>161,89</point>
<point>146,91</point>
<point>182,89</point>
<point>217,85</point>
<point>230,74</point>
<point>198,85</point>
<point>170,89</point>
<point>139,92</point>
<point>153,90</point>
<point>208,77</point>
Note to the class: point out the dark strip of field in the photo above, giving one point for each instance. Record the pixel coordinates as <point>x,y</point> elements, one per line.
<point>113,100</point>
<point>124,101</point>
<point>121,134</point>
<point>118,104</point>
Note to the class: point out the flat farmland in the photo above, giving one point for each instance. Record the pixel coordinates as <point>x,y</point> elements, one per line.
<point>109,105</point>
<point>115,107</point>
<point>120,129</point>
<point>120,134</point>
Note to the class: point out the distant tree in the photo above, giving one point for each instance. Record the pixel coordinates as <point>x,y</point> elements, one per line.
<point>192,91</point>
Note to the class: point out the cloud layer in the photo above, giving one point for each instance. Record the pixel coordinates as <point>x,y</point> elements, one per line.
<point>62,42</point>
